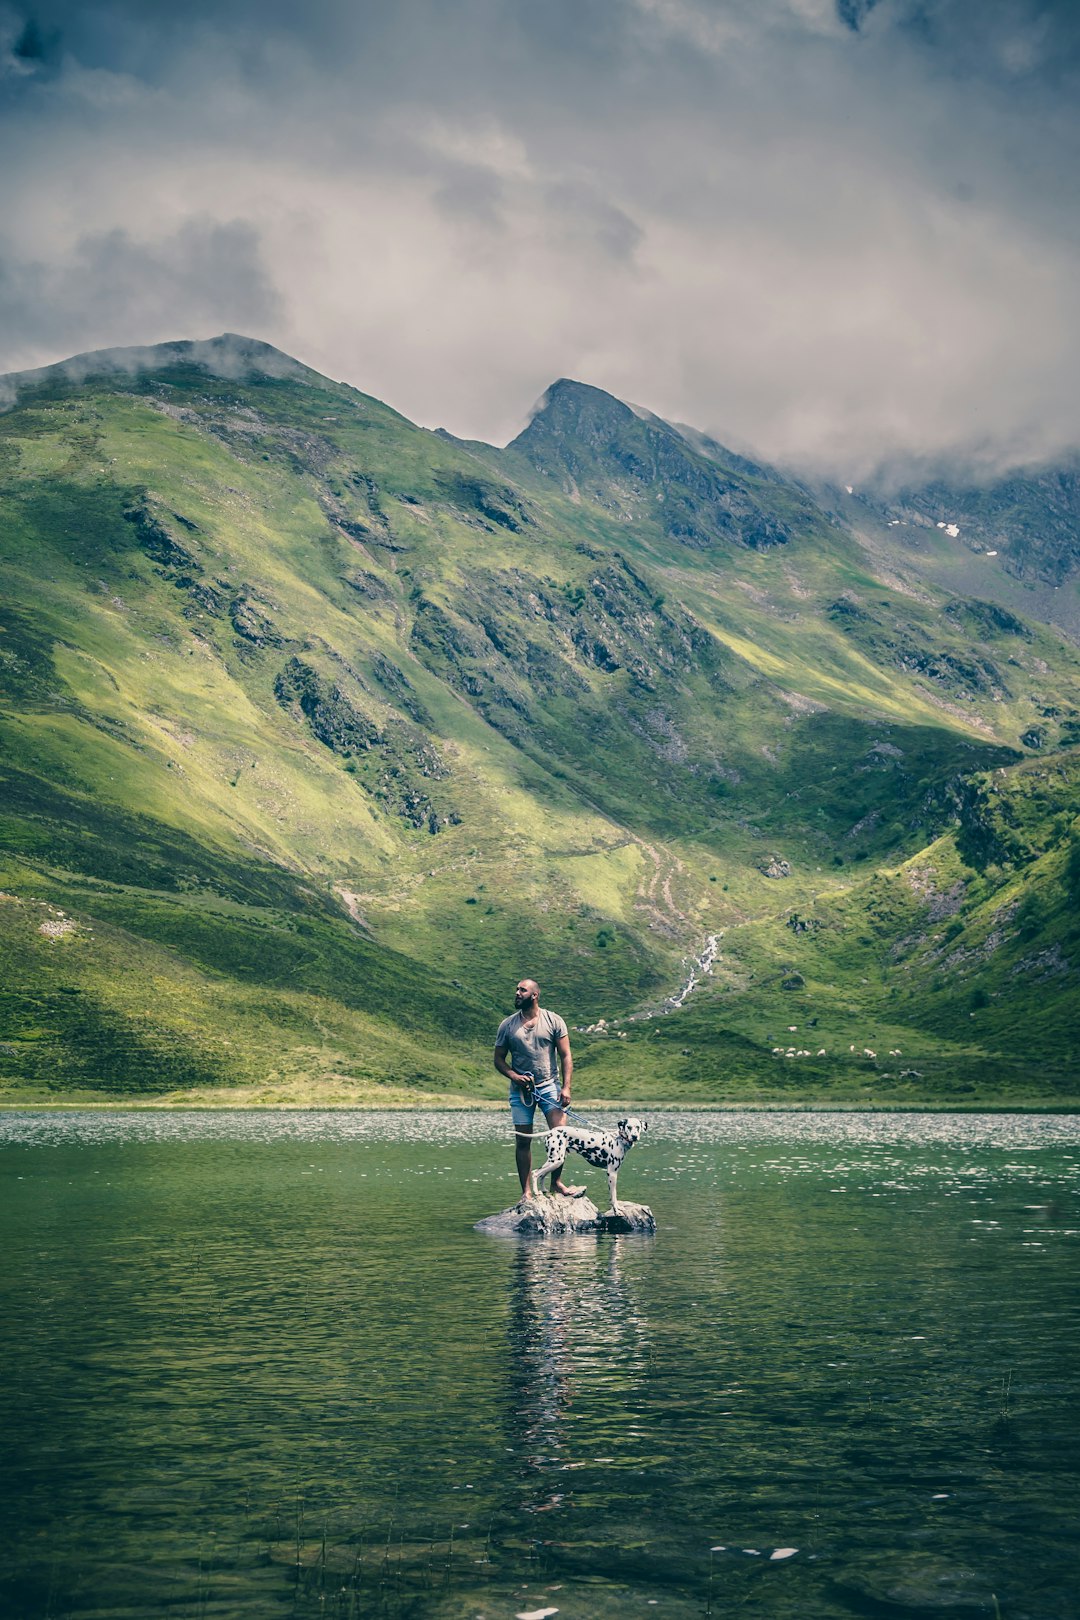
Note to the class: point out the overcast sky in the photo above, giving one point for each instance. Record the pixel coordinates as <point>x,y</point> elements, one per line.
<point>834,232</point>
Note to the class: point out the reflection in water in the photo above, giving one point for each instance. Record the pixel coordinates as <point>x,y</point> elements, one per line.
<point>578,1337</point>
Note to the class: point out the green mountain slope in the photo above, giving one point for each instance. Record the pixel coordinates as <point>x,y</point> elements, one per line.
<point>318,729</point>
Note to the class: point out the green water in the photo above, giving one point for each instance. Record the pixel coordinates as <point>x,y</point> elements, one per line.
<point>263,1365</point>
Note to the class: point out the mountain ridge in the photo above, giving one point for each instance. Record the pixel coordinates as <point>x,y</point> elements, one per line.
<point>228,355</point>
<point>985,503</point>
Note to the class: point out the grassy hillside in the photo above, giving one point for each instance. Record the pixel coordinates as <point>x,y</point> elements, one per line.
<point>318,729</point>
<point>947,978</point>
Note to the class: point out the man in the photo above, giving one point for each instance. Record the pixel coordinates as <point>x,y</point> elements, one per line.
<point>533,1038</point>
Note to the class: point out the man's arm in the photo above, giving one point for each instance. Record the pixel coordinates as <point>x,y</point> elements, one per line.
<point>566,1064</point>
<point>503,1067</point>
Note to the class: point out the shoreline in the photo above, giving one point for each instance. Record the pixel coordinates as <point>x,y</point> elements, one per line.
<point>487,1106</point>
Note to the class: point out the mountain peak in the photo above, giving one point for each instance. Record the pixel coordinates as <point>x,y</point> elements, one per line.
<point>643,470</point>
<point>576,410</point>
<point>230,355</point>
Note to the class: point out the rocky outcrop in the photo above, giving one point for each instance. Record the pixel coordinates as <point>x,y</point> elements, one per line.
<point>330,715</point>
<point>476,499</point>
<point>889,639</point>
<point>553,1216</point>
<point>394,762</point>
<point>156,531</point>
<point>251,624</point>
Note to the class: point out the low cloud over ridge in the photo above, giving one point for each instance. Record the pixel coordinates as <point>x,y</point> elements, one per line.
<point>834,234</point>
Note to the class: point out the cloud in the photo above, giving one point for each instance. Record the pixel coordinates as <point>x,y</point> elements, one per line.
<point>116,286</point>
<point>835,234</point>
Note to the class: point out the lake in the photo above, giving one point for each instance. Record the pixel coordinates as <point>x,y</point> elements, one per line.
<point>261,1364</point>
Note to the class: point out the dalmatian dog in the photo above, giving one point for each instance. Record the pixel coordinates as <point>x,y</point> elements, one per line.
<point>600,1148</point>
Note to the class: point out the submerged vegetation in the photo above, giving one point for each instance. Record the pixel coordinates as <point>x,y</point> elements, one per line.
<point>317,729</point>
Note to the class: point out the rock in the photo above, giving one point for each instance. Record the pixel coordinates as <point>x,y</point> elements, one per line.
<point>552,1215</point>
<point>630,1218</point>
<point>549,1215</point>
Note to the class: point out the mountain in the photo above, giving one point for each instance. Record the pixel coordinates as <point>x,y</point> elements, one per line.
<point>641,470</point>
<point>317,729</point>
<point>1030,519</point>
<point>1013,537</point>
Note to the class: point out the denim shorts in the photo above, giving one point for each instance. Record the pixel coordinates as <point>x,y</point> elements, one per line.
<point>544,1092</point>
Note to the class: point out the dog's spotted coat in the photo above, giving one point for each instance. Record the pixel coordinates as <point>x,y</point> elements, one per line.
<point>600,1148</point>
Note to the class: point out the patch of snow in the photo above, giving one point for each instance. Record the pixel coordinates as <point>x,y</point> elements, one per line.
<point>849,489</point>
<point>952,529</point>
<point>991,553</point>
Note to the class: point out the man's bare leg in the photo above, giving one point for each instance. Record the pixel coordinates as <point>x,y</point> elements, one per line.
<point>555,1119</point>
<point>523,1155</point>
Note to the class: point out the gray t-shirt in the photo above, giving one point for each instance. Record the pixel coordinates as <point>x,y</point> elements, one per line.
<point>532,1050</point>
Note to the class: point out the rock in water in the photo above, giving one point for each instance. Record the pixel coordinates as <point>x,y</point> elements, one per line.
<point>549,1215</point>
<point>629,1218</point>
<point>552,1215</point>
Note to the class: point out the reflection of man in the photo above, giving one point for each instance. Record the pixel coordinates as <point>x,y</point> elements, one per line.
<point>533,1038</point>
<point>579,1357</point>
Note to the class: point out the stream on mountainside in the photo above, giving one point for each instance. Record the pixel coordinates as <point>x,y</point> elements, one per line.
<point>261,1364</point>
<point>701,967</point>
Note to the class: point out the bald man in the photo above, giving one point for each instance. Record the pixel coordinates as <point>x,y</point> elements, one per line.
<point>532,1039</point>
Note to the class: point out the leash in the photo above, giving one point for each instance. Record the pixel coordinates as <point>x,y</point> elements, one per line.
<point>564,1107</point>
<point>537,1135</point>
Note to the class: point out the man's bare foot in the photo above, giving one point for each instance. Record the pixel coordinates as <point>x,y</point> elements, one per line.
<point>570,1192</point>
